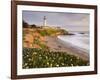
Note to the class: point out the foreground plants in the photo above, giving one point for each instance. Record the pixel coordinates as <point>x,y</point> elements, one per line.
<point>39,58</point>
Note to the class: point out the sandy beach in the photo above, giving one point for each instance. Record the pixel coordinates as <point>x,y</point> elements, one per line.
<point>55,45</point>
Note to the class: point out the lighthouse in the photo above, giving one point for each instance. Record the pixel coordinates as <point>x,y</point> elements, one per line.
<point>44,21</point>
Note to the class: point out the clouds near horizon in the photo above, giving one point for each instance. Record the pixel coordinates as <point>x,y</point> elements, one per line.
<point>71,21</point>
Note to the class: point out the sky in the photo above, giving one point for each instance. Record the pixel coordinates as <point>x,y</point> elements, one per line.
<point>68,21</point>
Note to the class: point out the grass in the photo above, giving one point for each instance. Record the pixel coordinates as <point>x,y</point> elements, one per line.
<point>39,58</point>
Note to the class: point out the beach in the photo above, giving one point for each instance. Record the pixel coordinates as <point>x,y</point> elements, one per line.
<point>56,44</point>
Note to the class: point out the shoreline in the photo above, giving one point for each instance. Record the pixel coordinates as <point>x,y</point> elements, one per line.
<point>68,41</point>
<point>56,44</point>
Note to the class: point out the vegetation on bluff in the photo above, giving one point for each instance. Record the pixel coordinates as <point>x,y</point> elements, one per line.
<point>35,37</point>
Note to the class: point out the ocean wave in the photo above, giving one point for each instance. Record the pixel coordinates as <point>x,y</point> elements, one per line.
<point>78,41</point>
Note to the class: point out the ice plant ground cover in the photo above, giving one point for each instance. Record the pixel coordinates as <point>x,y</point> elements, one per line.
<point>39,58</point>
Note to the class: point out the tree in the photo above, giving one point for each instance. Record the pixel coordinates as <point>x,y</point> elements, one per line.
<point>33,26</point>
<point>25,24</point>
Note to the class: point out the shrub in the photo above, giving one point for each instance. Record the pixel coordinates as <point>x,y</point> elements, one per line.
<point>39,58</point>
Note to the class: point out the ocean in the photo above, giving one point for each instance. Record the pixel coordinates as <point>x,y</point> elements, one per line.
<point>79,39</point>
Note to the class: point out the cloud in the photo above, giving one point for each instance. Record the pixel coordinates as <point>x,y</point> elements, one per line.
<point>72,21</point>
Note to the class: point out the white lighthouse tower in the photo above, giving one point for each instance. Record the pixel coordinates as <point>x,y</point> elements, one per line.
<point>44,21</point>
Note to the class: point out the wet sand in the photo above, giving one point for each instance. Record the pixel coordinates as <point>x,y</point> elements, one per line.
<point>56,45</point>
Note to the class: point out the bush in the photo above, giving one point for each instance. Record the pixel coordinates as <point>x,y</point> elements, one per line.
<point>39,58</point>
